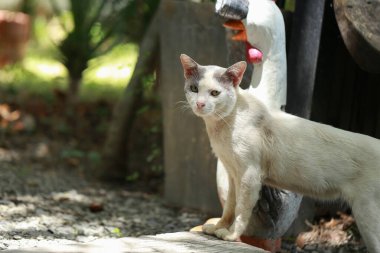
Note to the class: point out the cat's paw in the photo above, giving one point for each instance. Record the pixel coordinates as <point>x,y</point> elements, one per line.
<point>209,229</point>
<point>226,235</point>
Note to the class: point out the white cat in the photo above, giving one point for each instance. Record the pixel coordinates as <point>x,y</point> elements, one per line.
<point>258,146</point>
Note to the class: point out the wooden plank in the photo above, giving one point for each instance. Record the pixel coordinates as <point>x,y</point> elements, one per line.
<point>183,242</point>
<point>359,23</point>
<point>190,166</point>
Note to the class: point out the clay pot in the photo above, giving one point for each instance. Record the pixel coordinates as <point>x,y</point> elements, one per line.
<point>14,35</point>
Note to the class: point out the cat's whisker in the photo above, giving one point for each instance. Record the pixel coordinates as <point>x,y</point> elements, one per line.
<point>183,106</point>
<point>182,102</point>
<point>228,125</point>
<point>186,109</point>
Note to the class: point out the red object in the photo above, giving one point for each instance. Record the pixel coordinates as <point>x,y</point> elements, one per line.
<point>14,35</point>
<point>271,245</point>
<point>234,25</point>
<point>96,207</point>
<point>253,55</point>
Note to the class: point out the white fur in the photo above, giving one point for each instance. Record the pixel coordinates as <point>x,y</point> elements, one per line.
<point>259,146</point>
<point>266,31</point>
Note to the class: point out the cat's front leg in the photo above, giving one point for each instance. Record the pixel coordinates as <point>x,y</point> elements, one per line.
<point>228,211</point>
<point>247,197</point>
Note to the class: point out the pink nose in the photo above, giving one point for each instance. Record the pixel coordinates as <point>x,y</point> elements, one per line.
<point>200,105</point>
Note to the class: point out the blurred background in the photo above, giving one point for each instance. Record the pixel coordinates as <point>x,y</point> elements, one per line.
<point>94,89</point>
<point>63,66</point>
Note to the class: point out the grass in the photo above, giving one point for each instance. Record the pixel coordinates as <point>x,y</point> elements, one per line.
<point>38,74</point>
<point>109,74</point>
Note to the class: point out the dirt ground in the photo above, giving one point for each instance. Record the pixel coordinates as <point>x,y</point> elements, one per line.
<point>48,192</point>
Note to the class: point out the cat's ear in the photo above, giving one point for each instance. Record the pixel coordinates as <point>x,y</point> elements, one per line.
<point>235,72</point>
<point>190,67</point>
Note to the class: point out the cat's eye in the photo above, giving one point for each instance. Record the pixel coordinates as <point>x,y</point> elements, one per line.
<point>214,93</point>
<point>194,88</point>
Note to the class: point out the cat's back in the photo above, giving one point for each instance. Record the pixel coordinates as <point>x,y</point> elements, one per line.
<point>314,159</point>
<point>294,131</point>
<point>316,140</point>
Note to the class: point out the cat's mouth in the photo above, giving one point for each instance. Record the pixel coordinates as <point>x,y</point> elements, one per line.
<point>202,112</point>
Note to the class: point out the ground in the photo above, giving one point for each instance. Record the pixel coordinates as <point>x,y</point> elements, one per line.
<point>47,189</point>
<point>48,193</point>
<point>52,201</point>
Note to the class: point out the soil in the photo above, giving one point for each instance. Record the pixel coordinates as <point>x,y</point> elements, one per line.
<point>48,192</point>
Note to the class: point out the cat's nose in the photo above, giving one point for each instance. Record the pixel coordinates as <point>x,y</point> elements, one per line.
<point>200,105</point>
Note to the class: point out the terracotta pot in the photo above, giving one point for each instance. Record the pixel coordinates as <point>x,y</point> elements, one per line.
<point>14,35</point>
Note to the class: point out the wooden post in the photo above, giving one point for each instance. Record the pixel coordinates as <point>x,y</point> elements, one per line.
<point>115,147</point>
<point>190,167</point>
<point>303,56</point>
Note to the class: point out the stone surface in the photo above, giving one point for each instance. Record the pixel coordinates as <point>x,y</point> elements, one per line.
<point>184,242</point>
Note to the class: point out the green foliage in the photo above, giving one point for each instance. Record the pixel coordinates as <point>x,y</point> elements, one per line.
<point>72,153</point>
<point>83,39</point>
<point>137,16</point>
<point>114,68</point>
<point>133,177</point>
<point>290,5</point>
<point>94,157</point>
<point>39,74</point>
<point>92,28</point>
<point>117,232</point>
<point>95,28</point>
<point>21,82</point>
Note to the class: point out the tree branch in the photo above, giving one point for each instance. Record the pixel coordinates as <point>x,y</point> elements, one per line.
<point>117,138</point>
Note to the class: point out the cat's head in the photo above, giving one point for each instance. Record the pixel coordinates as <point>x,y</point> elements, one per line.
<point>211,91</point>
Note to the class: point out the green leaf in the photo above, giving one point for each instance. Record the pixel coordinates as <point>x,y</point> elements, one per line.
<point>94,157</point>
<point>117,232</point>
<point>72,153</point>
<point>133,177</point>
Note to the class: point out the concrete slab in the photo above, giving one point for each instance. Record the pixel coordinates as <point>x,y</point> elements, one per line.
<point>180,242</point>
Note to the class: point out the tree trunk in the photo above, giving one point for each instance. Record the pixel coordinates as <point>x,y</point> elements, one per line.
<point>114,151</point>
<point>73,90</point>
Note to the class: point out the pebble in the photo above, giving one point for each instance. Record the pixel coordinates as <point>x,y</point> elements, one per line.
<point>53,217</point>
<point>17,237</point>
<point>55,210</point>
<point>310,247</point>
<point>3,246</point>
